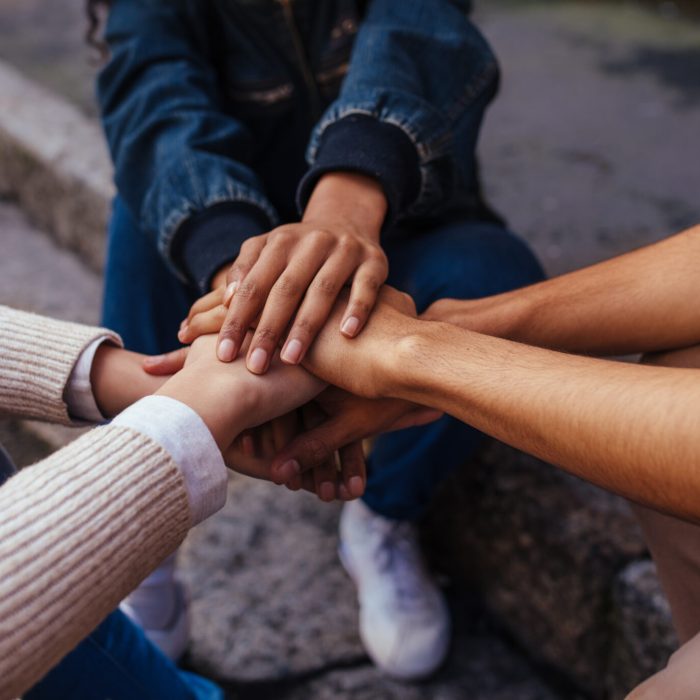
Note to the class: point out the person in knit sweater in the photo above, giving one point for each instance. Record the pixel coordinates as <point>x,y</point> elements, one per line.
<point>82,528</point>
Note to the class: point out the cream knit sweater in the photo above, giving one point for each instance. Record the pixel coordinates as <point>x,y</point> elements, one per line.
<point>77,531</point>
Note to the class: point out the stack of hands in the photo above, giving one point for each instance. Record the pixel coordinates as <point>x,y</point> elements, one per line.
<point>296,421</point>
<point>306,307</point>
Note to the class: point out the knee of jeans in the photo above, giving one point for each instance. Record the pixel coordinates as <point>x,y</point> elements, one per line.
<point>489,261</point>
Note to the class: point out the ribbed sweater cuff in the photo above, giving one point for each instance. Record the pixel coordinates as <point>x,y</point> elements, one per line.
<point>365,145</point>
<point>37,355</point>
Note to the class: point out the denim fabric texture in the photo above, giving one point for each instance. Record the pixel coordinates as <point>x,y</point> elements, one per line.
<point>118,662</point>
<point>247,103</point>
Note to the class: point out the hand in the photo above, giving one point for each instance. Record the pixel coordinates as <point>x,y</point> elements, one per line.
<point>118,379</point>
<point>228,398</point>
<point>293,274</point>
<point>257,448</point>
<point>252,451</point>
<point>365,366</point>
<point>347,419</point>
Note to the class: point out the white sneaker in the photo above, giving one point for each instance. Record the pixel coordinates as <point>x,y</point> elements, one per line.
<point>160,607</point>
<point>404,620</point>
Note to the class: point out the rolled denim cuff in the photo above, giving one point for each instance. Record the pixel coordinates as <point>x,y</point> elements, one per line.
<point>362,144</point>
<point>207,241</point>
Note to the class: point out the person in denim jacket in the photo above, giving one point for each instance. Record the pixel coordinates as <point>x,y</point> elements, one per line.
<point>313,144</point>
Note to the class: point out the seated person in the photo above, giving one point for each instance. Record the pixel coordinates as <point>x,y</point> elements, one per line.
<point>82,528</point>
<point>631,428</point>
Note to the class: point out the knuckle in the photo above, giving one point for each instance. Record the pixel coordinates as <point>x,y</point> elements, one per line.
<point>248,246</point>
<point>233,327</point>
<point>266,335</point>
<point>306,326</point>
<point>287,287</point>
<point>248,289</point>
<point>321,235</point>
<point>348,244</point>
<point>317,451</point>
<point>327,286</point>
<point>362,307</point>
<point>372,282</point>
<point>235,271</point>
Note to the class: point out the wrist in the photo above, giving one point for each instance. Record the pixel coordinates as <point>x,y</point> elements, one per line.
<point>506,315</point>
<point>117,379</point>
<point>421,356</point>
<point>351,200</point>
<point>396,367</point>
<point>222,409</point>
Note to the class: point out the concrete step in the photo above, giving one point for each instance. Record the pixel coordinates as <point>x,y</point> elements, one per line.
<point>275,615</point>
<point>55,163</point>
<point>561,563</point>
<point>38,275</point>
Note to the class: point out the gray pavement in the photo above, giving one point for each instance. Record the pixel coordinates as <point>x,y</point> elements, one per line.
<point>591,148</point>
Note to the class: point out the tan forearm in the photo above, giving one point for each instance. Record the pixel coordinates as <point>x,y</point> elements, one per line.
<point>632,429</point>
<point>355,200</point>
<point>639,302</point>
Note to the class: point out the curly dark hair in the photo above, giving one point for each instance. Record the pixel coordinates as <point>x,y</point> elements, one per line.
<point>95,10</point>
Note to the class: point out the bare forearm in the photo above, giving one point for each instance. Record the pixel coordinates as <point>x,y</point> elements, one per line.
<point>632,429</point>
<point>638,302</point>
<point>355,200</point>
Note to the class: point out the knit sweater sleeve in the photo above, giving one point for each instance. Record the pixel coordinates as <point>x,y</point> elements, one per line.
<point>37,355</point>
<point>78,532</point>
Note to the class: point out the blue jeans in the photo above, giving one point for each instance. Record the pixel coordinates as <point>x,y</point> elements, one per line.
<point>145,303</point>
<point>117,662</point>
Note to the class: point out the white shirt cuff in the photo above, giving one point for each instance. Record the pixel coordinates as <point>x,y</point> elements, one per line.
<point>78,395</point>
<point>188,440</point>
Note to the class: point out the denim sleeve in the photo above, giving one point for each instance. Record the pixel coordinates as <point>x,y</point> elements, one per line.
<point>421,69</point>
<point>175,151</point>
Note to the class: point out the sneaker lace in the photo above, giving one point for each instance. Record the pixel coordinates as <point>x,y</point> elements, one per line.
<point>399,557</point>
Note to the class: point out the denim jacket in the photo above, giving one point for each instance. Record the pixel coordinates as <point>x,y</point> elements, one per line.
<point>221,115</point>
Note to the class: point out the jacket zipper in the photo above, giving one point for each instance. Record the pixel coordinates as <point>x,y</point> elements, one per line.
<point>302,58</point>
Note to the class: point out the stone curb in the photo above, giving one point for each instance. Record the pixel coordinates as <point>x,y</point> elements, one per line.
<point>54,162</point>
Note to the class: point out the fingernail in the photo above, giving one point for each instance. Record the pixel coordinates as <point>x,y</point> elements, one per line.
<point>257,361</point>
<point>226,350</point>
<point>230,291</point>
<point>247,444</point>
<point>327,491</point>
<point>292,352</point>
<point>184,324</point>
<point>291,467</point>
<point>150,361</point>
<point>182,334</point>
<point>350,326</point>
<point>343,492</point>
<point>357,486</point>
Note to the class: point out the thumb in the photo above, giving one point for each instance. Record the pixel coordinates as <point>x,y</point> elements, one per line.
<point>420,416</point>
<point>169,363</point>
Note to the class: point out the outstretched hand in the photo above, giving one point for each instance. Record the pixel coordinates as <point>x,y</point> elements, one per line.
<point>287,281</point>
<point>260,399</point>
